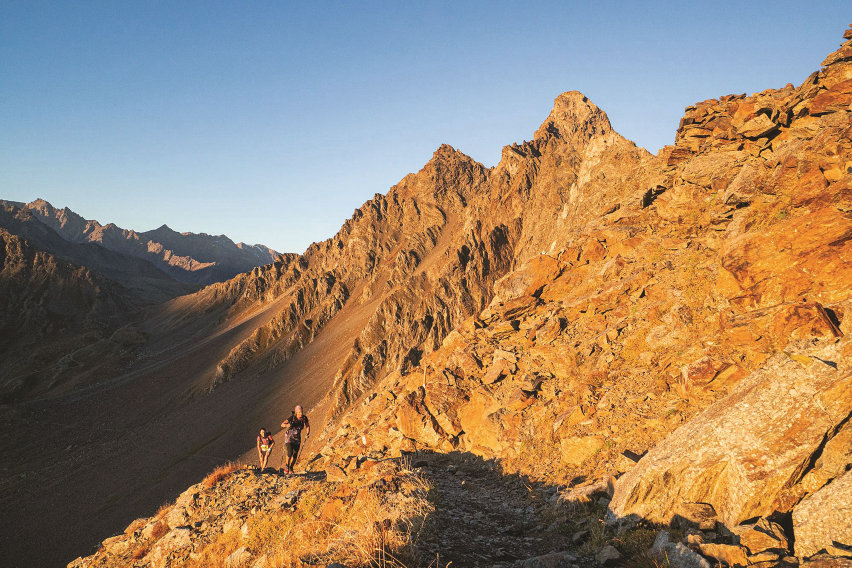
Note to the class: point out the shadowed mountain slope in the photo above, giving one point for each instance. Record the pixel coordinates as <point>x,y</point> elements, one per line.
<point>48,357</point>
<point>54,311</point>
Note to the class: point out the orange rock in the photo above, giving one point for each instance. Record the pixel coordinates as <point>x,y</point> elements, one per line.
<point>575,451</point>
<point>803,321</point>
<point>415,421</point>
<point>480,427</point>
<point>593,251</point>
<point>763,536</point>
<point>761,125</point>
<point>728,554</point>
<point>740,454</point>
<point>519,400</point>
<point>794,260</point>
<point>701,371</point>
<point>332,509</point>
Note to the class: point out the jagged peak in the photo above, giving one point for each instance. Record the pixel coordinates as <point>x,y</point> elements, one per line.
<point>447,161</point>
<point>574,114</point>
<point>40,203</point>
<point>446,154</point>
<point>164,229</point>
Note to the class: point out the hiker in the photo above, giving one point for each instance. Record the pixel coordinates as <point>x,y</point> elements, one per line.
<point>264,447</point>
<point>293,437</point>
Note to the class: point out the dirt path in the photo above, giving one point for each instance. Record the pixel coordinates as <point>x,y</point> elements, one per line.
<point>482,517</point>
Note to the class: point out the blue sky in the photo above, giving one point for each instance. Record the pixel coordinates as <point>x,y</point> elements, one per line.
<point>271,122</point>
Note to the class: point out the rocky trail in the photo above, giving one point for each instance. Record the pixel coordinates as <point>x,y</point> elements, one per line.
<point>482,517</point>
<point>425,509</point>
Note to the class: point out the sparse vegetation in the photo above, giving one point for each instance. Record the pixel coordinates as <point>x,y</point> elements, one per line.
<point>219,474</point>
<point>162,511</point>
<point>135,526</point>
<point>213,555</point>
<point>140,552</point>
<point>159,530</point>
<point>598,537</point>
<point>371,522</point>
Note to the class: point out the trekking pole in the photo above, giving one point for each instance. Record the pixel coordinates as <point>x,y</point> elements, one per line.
<point>298,455</point>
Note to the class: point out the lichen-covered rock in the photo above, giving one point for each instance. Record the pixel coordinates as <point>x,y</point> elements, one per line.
<point>761,537</point>
<point>607,554</point>
<point>827,561</point>
<point>741,454</point>
<point>823,520</point>
<point>694,516</point>
<point>551,560</point>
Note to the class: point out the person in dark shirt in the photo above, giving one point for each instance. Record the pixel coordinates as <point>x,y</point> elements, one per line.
<point>293,427</point>
<point>264,447</point>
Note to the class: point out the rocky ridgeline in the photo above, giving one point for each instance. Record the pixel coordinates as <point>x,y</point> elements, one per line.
<point>245,517</point>
<point>594,356</point>
<point>700,323</point>
<point>392,262</point>
<point>416,262</point>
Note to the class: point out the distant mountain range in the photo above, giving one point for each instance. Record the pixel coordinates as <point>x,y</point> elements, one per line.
<point>189,258</point>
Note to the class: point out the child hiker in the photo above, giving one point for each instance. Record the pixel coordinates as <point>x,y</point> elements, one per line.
<point>264,447</point>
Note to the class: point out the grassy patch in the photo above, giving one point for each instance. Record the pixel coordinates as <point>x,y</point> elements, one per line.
<point>219,474</point>
<point>159,530</point>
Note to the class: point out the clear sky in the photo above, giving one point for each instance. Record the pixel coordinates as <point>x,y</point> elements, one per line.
<point>271,122</point>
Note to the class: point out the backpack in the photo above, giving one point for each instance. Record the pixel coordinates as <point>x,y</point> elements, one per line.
<point>294,432</point>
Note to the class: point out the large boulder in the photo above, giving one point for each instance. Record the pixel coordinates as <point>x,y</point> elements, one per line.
<point>414,420</point>
<point>824,520</point>
<point>742,454</point>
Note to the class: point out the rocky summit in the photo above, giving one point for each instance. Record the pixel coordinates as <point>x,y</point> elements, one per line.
<point>587,355</point>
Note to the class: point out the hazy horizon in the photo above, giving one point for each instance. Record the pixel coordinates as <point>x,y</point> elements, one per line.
<point>271,126</point>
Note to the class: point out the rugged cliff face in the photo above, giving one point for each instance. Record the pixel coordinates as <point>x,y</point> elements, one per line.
<point>719,252</point>
<point>728,257</point>
<point>424,257</point>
